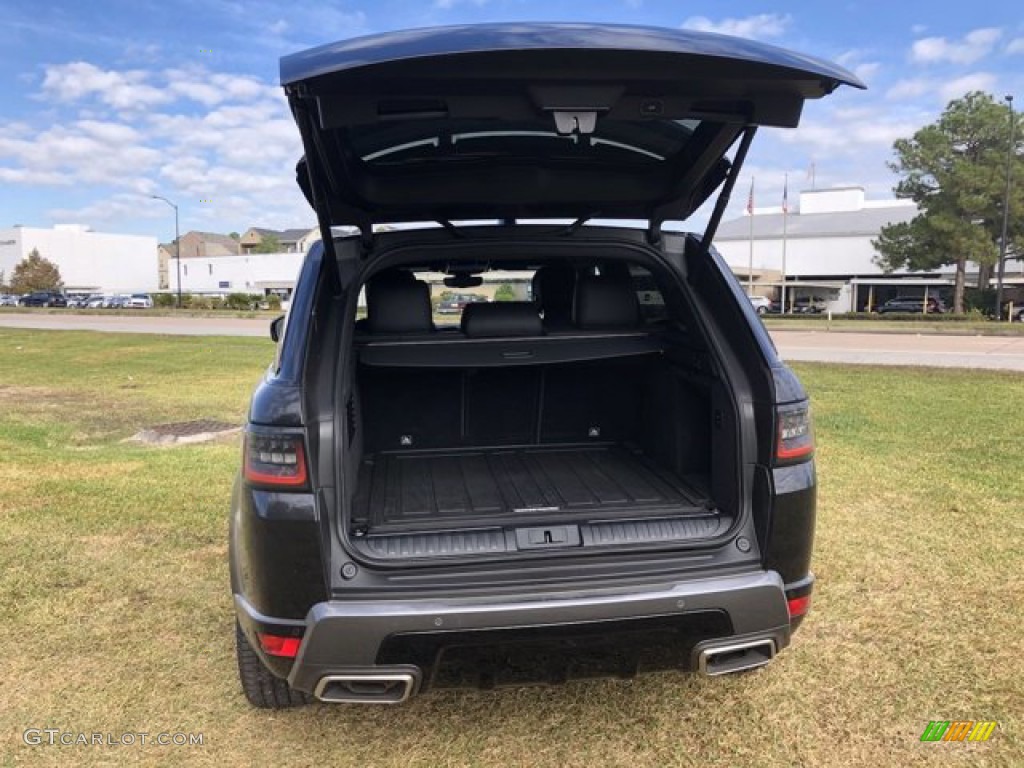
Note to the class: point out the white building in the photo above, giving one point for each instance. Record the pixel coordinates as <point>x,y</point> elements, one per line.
<point>87,260</point>
<point>258,273</point>
<point>823,248</point>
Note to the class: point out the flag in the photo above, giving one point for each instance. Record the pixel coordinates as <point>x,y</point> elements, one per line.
<point>750,198</point>
<point>785,195</point>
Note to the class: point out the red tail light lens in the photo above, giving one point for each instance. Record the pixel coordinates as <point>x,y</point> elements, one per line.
<point>275,460</point>
<point>276,645</point>
<point>795,438</point>
<point>798,606</point>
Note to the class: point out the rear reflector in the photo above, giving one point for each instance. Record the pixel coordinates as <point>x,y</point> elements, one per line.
<point>795,438</point>
<point>276,645</point>
<point>798,606</point>
<point>275,460</point>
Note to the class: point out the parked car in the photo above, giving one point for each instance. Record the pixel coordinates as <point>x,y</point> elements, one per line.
<point>558,487</point>
<point>78,300</point>
<point>96,301</point>
<point>139,301</point>
<point>457,302</point>
<point>912,304</point>
<point>809,305</point>
<point>43,299</point>
<point>762,304</point>
<point>7,300</point>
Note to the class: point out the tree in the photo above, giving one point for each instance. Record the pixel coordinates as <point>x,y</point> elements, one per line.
<point>34,273</point>
<point>234,236</point>
<point>505,292</point>
<point>955,170</point>
<point>268,244</point>
<point>3,282</point>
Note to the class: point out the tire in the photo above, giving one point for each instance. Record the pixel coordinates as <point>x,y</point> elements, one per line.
<point>262,688</point>
<point>762,310</point>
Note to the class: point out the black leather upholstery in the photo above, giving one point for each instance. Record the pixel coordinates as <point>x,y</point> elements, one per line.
<point>397,305</point>
<point>605,302</point>
<point>501,318</point>
<point>553,289</point>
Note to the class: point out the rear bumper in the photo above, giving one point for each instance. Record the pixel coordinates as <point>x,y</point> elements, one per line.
<point>346,638</point>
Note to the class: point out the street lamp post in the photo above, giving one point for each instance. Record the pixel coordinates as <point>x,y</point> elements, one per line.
<point>1006,214</point>
<point>177,243</point>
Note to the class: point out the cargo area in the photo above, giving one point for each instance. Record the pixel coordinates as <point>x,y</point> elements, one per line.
<point>478,461</point>
<point>580,418</point>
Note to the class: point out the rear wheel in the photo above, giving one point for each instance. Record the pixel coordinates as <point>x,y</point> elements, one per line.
<point>262,688</point>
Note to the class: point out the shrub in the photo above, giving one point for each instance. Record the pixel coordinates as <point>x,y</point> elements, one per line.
<point>164,299</point>
<point>239,301</point>
<point>201,302</point>
<point>505,292</point>
<point>274,302</point>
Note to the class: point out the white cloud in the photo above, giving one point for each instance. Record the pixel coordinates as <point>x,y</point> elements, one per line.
<point>909,89</point>
<point>80,80</point>
<point>210,89</point>
<point>961,86</point>
<point>447,5</point>
<point>279,27</point>
<point>851,131</point>
<point>109,133</point>
<point>1016,45</point>
<point>945,90</point>
<point>975,45</point>
<point>761,25</point>
<point>120,206</point>
<point>854,60</point>
<point>867,70</point>
<point>919,29</point>
<point>28,176</point>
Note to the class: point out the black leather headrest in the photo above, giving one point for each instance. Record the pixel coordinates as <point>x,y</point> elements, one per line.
<point>605,302</point>
<point>553,289</point>
<point>397,305</point>
<point>501,318</point>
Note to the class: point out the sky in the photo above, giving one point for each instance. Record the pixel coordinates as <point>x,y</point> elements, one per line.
<point>107,102</point>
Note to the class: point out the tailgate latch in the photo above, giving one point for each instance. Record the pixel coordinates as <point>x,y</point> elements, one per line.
<point>548,537</point>
<point>568,122</point>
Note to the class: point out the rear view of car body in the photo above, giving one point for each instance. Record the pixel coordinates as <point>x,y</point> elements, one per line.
<point>420,507</point>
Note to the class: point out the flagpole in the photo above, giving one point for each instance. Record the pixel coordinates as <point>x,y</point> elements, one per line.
<point>750,258</point>
<point>785,217</point>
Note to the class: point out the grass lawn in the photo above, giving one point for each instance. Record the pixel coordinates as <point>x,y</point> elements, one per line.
<point>117,617</point>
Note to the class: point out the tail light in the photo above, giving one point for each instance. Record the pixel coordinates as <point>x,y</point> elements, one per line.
<point>795,438</point>
<point>278,645</point>
<point>275,460</point>
<point>798,606</point>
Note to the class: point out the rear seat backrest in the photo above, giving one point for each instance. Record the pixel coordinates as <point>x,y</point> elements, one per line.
<point>553,288</point>
<point>398,305</point>
<point>605,302</point>
<point>501,318</point>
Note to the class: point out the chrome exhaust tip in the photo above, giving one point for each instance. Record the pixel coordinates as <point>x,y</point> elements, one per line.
<point>369,688</point>
<point>732,657</point>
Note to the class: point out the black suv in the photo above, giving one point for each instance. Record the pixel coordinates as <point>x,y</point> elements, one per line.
<point>615,476</point>
<point>43,299</point>
<point>912,305</point>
